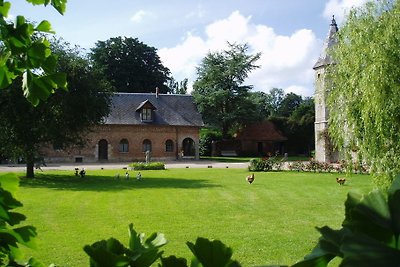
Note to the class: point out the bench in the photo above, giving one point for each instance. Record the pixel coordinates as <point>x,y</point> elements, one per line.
<point>228,153</point>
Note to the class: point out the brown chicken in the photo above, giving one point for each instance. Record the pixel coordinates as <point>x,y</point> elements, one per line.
<point>250,178</point>
<point>341,181</point>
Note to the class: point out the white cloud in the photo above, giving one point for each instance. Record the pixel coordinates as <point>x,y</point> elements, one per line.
<point>140,15</point>
<point>286,61</point>
<point>340,8</point>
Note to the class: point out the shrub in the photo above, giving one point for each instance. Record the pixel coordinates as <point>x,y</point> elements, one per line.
<point>296,166</point>
<point>138,166</point>
<point>265,164</point>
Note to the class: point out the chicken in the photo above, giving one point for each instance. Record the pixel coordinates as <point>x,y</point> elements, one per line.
<point>250,178</point>
<point>341,181</point>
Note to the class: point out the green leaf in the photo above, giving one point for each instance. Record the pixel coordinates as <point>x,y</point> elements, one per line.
<point>394,200</point>
<point>4,57</point>
<point>173,261</point>
<point>26,236</point>
<point>59,5</point>
<point>38,88</point>
<point>16,218</point>
<point>35,263</point>
<point>20,21</point>
<point>148,257</point>
<point>114,246</point>
<point>211,253</point>
<point>5,77</point>
<point>156,240</point>
<point>8,201</point>
<point>134,240</point>
<point>49,65</point>
<point>321,261</point>
<point>395,185</point>
<point>372,217</point>
<point>331,240</point>
<point>4,8</point>
<point>59,79</point>
<point>37,53</point>
<point>100,256</point>
<point>360,250</point>
<point>45,26</point>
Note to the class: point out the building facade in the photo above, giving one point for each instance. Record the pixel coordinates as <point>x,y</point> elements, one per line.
<point>324,151</point>
<point>165,125</point>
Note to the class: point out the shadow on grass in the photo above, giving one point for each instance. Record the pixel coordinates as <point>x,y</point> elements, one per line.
<point>107,183</point>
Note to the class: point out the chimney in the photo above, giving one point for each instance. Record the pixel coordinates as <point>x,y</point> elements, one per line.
<point>157,91</point>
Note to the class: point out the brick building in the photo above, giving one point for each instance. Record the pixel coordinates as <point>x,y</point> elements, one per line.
<point>164,124</point>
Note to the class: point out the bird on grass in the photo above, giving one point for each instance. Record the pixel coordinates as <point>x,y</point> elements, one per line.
<point>250,178</point>
<point>340,181</point>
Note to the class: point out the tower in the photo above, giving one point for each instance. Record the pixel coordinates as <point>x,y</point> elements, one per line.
<point>323,148</point>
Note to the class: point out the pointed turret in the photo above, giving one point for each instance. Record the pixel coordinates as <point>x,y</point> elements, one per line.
<point>324,151</point>
<point>324,59</point>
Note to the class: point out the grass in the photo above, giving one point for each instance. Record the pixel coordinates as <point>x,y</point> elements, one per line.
<point>268,222</point>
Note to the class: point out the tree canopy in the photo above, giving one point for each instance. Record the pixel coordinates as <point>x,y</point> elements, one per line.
<point>219,91</point>
<point>60,121</point>
<point>130,65</point>
<point>23,55</point>
<point>364,102</point>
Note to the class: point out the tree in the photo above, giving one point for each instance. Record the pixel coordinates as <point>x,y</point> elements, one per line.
<point>130,65</point>
<point>179,88</point>
<point>219,92</point>
<point>288,104</point>
<point>63,119</point>
<point>274,101</point>
<point>259,100</point>
<point>364,101</point>
<point>23,55</point>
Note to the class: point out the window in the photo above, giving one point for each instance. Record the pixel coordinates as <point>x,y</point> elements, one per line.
<point>169,146</point>
<point>146,145</point>
<point>146,114</point>
<point>123,146</point>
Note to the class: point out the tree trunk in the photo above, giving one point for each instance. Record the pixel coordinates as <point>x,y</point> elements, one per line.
<point>225,130</point>
<point>30,164</point>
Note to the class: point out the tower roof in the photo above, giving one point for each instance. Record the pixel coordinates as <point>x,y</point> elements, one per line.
<point>324,59</point>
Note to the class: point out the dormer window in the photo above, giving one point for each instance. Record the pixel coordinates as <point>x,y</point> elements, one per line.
<point>146,114</point>
<point>146,109</point>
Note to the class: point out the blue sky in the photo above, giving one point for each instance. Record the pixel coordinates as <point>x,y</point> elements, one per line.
<point>288,33</point>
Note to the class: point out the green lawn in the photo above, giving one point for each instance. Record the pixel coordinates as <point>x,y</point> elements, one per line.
<point>270,221</point>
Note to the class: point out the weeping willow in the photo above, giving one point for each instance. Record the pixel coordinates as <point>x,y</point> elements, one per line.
<point>364,101</point>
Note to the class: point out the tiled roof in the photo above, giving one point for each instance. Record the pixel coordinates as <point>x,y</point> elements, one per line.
<point>325,59</point>
<point>177,110</point>
<point>263,131</point>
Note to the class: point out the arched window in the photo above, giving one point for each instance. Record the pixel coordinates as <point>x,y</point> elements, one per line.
<point>146,145</point>
<point>169,146</point>
<point>188,147</point>
<point>124,146</point>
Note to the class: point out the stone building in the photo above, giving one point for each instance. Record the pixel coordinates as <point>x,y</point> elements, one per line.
<point>164,124</point>
<point>324,151</point>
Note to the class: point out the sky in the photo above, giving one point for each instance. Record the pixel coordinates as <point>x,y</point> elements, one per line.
<point>288,33</point>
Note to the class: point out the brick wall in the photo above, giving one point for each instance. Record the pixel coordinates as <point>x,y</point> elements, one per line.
<point>135,135</point>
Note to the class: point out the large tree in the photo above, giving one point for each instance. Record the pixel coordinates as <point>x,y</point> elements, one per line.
<point>23,55</point>
<point>60,121</point>
<point>364,101</point>
<point>219,92</point>
<point>130,65</point>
